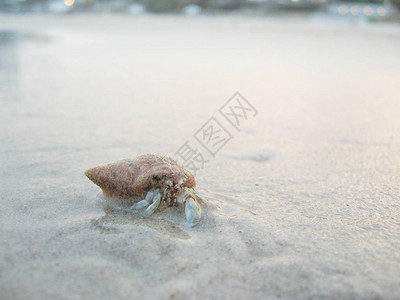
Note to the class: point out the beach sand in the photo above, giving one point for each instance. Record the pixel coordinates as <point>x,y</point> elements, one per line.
<point>308,188</point>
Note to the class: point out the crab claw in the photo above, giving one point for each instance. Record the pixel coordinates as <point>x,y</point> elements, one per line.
<point>192,211</point>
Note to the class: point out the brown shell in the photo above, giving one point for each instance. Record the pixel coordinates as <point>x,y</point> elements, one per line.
<point>130,178</point>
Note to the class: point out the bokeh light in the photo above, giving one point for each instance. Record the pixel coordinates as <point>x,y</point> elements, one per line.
<point>381,11</point>
<point>368,11</point>
<point>343,10</point>
<point>69,2</point>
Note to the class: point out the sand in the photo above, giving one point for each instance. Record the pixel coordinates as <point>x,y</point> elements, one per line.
<point>308,189</point>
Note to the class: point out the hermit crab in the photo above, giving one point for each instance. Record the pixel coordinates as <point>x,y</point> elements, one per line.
<point>153,182</point>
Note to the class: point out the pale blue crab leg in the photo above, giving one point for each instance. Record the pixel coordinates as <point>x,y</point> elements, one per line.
<point>144,203</point>
<point>192,211</point>
<point>156,202</point>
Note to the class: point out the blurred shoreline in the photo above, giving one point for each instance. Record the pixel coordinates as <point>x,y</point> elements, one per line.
<point>362,12</point>
<point>297,21</point>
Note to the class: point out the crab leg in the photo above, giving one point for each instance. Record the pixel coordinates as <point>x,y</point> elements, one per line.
<point>140,205</point>
<point>156,202</point>
<point>192,211</point>
<point>143,203</point>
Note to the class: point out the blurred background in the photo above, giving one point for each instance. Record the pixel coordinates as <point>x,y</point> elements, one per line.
<point>366,10</point>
